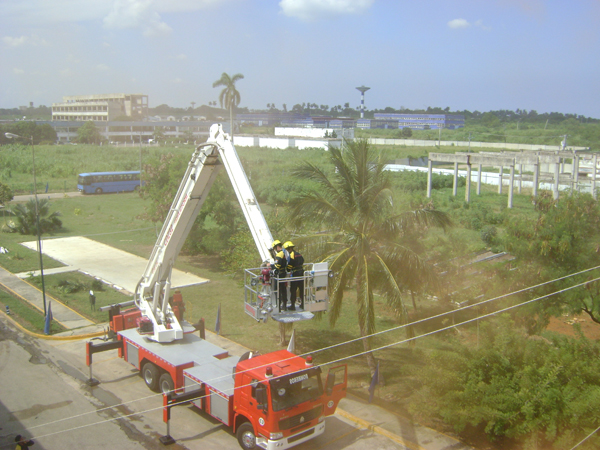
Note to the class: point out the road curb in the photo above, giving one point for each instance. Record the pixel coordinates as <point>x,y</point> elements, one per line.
<point>49,337</point>
<point>379,430</point>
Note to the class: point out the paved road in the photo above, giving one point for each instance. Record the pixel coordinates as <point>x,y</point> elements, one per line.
<point>25,198</point>
<point>36,393</point>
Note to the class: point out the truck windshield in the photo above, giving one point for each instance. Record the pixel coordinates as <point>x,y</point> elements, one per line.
<point>296,388</point>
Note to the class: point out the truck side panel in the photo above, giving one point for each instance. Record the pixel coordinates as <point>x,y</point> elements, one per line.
<point>216,403</point>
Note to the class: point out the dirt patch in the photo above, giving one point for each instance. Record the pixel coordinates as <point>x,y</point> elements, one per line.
<point>565,325</point>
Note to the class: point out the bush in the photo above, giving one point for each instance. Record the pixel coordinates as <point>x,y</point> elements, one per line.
<point>512,386</point>
<point>417,181</point>
<point>96,285</point>
<point>70,287</point>
<point>488,234</point>
<point>6,194</point>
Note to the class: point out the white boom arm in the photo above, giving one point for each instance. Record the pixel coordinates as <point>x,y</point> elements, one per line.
<point>152,292</point>
<point>245,195</point>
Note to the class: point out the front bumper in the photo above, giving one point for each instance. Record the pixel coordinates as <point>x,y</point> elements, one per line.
<point>291,441</point>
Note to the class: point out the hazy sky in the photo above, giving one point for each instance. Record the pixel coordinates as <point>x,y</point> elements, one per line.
<point>465,54</point>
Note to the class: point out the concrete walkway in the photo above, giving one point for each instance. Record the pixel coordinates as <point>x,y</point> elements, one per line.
<point>61,313</point>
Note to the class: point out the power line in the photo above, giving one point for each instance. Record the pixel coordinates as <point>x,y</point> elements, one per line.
<point>586,438</point>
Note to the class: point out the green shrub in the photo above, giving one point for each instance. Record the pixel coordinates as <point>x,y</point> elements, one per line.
<point>488,234</point>
<point>69,287</point>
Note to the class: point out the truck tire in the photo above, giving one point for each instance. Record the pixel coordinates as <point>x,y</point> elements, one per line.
<point>98,190</point>
<point>165,383</point>
<point>245,436</point>
<point>151,374</point>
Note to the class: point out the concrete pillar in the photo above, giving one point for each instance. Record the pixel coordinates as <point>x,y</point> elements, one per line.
<point>479,179</point>
<point>429,171</point>
<point>511,186</point>
<point>594,194</point>
<point>468,186</point>
<point>536,178</point>
<point>455,184</point>
<point>556,176</point>
<point>576,171</point>
<point>500,172</point>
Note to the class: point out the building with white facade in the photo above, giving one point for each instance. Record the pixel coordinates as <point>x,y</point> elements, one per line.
<point>100,108</point>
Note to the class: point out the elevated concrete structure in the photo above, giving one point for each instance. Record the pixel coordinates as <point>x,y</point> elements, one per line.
<point>546,166</point>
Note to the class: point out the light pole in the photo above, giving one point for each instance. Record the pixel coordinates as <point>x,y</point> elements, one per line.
<point>37,215</point>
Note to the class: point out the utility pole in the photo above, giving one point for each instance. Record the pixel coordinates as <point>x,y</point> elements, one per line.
<point>37,216</point>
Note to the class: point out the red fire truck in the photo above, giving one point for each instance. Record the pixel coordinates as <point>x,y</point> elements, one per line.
<point>272,401</point>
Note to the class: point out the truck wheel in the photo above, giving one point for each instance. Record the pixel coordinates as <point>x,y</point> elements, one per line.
<point>245,436</point>
<point>98,190</point>
<point>151,375</point>
<point>166,383</point>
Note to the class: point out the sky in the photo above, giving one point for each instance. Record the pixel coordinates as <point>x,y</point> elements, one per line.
<point>482,55</point>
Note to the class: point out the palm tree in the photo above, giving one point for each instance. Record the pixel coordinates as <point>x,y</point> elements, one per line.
<point>26,217</point>
<point>229,96</point>
<point>364,247</point>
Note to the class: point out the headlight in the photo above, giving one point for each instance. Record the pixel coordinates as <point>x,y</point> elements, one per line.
<point>321,419</point>
<point>275,436</point>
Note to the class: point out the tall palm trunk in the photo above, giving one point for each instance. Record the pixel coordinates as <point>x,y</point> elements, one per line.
<point>367,346</point>
<point>231,120</point>
<point>363,333</point>
<point>284,328</point>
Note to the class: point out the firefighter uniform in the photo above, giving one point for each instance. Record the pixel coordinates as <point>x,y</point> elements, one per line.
<point>296,268</point>
<point>280,271</point>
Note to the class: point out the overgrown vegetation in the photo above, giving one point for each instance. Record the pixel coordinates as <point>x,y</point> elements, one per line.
<point>543,393</point>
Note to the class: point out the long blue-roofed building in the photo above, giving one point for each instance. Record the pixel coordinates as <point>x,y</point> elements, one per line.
<point>416,121</point>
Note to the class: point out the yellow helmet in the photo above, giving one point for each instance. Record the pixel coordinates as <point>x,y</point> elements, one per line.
<point>276,242</point>
<point>288,244</point>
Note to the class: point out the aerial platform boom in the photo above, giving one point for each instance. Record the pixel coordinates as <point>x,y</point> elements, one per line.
<point>152,293</point>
